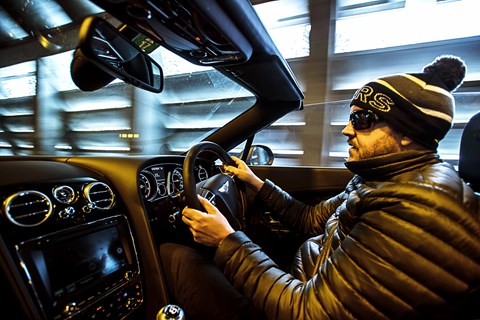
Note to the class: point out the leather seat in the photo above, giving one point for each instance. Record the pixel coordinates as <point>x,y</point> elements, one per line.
<point>469,161</point>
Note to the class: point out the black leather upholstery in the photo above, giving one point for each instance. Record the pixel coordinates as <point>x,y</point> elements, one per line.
<point>469,161</point>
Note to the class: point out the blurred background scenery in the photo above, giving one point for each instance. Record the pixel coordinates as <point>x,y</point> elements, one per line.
<point>333,47</point>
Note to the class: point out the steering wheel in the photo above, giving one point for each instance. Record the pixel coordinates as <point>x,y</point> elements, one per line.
<point>222,190</point>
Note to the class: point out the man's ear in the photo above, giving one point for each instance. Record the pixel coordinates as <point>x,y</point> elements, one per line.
<point>409,144</point>
<point>406,141</point>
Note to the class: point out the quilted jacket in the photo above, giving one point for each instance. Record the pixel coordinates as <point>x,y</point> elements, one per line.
<point>405,244</point>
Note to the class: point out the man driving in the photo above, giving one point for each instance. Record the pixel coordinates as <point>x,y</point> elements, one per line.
<point>402,241</point>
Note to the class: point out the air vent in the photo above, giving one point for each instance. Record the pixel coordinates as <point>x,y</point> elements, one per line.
<point>99,195</point>
<point>28,208</point>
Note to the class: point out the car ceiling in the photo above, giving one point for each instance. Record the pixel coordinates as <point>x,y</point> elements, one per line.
<point>21,19</point>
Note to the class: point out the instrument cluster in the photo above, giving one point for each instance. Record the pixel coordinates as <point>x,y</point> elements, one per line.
<point>158,181</point>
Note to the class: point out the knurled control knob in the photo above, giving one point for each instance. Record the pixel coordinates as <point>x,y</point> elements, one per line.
<point>129,275</point>
<point>70,309</point>
<point>66,213</point>
<point>174,217</point>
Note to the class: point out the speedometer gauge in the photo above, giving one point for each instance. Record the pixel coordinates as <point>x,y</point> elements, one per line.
<point>148,185</point>
<point>176,180</point>
<point>153,185</point>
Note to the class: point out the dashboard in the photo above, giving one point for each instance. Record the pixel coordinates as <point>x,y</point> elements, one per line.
<point>78,236</point>
<point>161,186</point>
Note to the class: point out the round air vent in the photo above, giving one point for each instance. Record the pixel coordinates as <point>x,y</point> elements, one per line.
<point>28,208</point>
<point>99,196</point>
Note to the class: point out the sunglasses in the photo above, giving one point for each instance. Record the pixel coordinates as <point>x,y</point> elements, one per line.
<point>363,119</point>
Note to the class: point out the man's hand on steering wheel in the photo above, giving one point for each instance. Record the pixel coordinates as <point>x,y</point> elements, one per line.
<point>243,172</point>
<point>208,228</point>
<point>222,190</point>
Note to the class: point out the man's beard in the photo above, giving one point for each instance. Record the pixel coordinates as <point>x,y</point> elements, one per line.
<point>381,147</point>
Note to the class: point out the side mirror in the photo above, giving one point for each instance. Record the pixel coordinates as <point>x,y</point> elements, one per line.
<point>118,56</point>
<point>259,155</point>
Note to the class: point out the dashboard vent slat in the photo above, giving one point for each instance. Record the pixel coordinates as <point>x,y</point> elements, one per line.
<point>28,208</point>
<point>99,196</point>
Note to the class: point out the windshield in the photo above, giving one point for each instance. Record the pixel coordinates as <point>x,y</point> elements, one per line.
<point>45,113</point>
<point>118,118</point>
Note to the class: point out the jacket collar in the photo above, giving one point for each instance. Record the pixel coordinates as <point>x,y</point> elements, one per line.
<point>386,166</point>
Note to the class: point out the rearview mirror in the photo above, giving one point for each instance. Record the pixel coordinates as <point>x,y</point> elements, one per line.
<point>118,56</point>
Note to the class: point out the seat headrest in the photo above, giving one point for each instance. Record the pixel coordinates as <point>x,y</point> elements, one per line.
<point>469,161</point>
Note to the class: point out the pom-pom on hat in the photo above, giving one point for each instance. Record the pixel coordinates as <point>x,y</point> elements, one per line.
<point>419,105</point>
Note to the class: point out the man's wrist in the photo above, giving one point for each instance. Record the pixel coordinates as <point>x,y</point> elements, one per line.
<point>221,241</point>
<point>257,184</point>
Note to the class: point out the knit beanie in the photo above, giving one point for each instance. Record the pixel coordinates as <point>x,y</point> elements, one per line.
<point>419,105</point>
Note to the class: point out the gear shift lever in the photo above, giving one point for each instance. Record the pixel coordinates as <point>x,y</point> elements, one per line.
<point>171,312</point>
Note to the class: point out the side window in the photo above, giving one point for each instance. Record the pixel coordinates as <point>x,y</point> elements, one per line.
<point>312,137</point>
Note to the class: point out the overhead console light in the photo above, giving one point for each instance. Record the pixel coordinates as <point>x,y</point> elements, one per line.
<point>198,30</point>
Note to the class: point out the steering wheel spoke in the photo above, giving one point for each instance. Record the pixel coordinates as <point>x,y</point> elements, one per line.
<point>222,190</point>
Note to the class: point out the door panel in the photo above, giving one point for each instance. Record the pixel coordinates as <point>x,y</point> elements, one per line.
<point>307,184</point>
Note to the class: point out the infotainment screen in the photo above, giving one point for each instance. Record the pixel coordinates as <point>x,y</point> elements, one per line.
<point>73,265</point>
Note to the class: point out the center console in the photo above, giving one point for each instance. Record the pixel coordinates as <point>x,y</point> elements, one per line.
<point>68,251</point>
<point>89,271</point>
